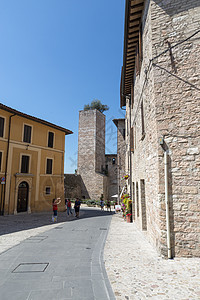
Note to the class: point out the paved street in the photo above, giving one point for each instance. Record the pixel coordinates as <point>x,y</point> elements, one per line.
<point>41,260</point>
<point>136,272</point>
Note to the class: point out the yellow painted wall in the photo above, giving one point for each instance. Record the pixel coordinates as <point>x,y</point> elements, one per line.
<point>38,151</point>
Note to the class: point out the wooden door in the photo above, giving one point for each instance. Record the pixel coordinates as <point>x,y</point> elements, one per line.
<point>22,200</point>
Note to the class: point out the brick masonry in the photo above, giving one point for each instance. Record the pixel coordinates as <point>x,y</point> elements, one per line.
<point>169,91</point>
<point>95,178</point>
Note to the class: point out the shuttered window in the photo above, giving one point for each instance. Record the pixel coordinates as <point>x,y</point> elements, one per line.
<point>50,139</point>
<point>25,164</point>
<point>27,134</point>
<point>2,120</point>
<point>49,166</point>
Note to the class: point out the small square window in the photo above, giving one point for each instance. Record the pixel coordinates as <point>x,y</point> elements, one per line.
<point>48,190</point>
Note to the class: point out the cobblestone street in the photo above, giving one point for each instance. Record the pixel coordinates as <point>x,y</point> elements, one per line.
<point>137,272</point>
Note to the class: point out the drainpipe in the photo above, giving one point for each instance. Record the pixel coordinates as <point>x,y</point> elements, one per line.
<point>167,204</point>
<point>6,168</point>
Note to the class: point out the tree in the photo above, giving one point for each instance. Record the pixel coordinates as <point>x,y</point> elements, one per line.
<point>96,104</point>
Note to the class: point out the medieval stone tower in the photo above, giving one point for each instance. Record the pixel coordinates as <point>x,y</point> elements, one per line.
<point>91,154</point>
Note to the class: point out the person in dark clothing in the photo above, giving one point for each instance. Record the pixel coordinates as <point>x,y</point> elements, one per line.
<point>77,205</point>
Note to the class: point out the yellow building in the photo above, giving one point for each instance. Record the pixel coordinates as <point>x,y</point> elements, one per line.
<point>31,162</point>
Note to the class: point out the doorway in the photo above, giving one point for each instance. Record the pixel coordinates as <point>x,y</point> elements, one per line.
<point>22,199</point>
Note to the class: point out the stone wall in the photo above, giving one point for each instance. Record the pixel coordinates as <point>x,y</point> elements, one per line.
<point>176,83</point>
<point>112,168</point>
<point>91,153</point>
<point>121,152</point>
<point>167,90</point>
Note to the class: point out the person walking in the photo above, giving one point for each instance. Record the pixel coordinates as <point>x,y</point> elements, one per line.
<point>77,205</point>
<point>55,203</point>
<point>68,207</point>
<point>108,205</point>
<point>102,202</point>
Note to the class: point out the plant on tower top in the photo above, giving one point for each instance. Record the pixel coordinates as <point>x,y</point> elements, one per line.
<point>96,104</point>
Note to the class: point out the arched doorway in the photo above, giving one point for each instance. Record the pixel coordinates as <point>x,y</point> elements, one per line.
<point>22,199</point>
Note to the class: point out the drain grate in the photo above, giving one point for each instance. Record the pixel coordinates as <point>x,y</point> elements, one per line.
<point>102,228</point>
<point>30,267</point>
<point>59,227</point>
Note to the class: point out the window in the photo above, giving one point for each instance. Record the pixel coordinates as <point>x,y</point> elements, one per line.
<point>0,159</point>
<point>49,166</point>
<point>2,121</point>
<point>50,139</point>
<point>27,134</point>
<point>25,164</point>
<point>48,190</point>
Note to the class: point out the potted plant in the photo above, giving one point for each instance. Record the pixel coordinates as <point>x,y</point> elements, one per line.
<point>127,207</point>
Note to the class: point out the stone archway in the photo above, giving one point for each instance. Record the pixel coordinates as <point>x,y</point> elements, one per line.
<point>23,182</point>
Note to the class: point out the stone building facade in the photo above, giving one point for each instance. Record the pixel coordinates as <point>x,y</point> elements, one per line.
<point>121,153</point>
<point>160,89</point>
<point>111,168</point>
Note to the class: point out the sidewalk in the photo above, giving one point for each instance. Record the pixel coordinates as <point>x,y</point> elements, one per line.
<point>137,272</point>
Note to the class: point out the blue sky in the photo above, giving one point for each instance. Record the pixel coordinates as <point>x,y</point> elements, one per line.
<point>56,56</point>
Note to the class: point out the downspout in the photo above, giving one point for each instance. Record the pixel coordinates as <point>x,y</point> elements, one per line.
<point>167,204</point>
<point>6,168</point>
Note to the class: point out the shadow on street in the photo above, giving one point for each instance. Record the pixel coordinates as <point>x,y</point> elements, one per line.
<point>22,221</point>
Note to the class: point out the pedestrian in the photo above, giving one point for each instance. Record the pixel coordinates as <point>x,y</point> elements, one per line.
<point>68,206</point>
<point>77,205</point>
<point>102,202</point>
<point>108,205</point>
<point>55,203</point>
